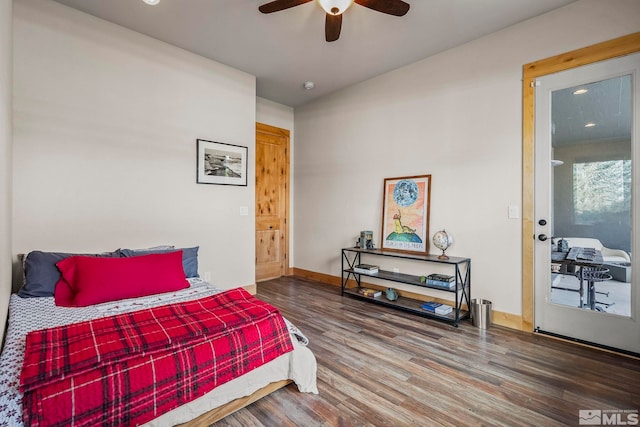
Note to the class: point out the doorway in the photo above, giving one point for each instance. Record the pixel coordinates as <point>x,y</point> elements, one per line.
<point>539,309</point>
<point>583,199</point>
<point>272,202</point>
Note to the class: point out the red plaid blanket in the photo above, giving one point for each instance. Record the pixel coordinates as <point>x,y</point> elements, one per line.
<point>133,367</point>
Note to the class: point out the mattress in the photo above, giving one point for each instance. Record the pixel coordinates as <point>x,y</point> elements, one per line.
<point>30,314</point>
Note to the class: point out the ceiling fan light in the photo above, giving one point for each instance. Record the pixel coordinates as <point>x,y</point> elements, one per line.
<point>335,7</point>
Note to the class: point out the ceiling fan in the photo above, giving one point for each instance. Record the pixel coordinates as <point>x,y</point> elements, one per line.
<point>335,9</point>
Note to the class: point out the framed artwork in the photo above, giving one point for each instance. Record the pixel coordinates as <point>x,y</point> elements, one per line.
<point>405,214</point>
<point>220,163</point>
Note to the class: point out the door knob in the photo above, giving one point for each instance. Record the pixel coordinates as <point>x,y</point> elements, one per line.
<point>542,237</point>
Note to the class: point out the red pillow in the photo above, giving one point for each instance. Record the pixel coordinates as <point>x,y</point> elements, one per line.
<point>87,280</point>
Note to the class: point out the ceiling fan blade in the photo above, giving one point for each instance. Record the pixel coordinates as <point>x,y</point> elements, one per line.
<point>332,27</point>
<point>391,7</point>
<point>278,5</point>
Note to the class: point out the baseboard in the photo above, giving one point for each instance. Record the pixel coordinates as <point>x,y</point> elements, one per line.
<point>252,289</point>
<point>318,277</point>
<point>508,320</point>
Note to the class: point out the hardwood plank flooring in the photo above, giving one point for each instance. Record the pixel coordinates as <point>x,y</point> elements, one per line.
<point>382,367</point>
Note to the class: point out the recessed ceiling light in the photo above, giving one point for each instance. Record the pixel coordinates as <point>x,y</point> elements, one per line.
<point>580,91</point>
<point>590,125</point>
<point>151,2</point>
<point>309,85</point>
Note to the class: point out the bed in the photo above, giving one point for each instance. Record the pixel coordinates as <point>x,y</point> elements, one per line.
<point>35,314</point>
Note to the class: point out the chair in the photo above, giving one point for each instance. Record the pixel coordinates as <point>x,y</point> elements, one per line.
<point>594,275</point>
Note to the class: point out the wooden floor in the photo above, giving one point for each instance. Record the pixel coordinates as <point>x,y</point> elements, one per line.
<point>381,367</point>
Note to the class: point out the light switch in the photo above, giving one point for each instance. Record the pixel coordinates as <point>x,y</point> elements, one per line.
<point>514,212</point>
<point>244,210</point>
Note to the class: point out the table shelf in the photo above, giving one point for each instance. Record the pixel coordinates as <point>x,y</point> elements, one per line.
<point>461,291</point>
<point>408,279</point>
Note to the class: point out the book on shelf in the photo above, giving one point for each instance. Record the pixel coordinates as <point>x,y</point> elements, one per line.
<point>441,284</point>
<point>442,277</point>
<point>436,307</point>
<point>366,269</point>
<point>369,292</point>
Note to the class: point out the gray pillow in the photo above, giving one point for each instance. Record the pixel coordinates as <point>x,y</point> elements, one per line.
<point>189,257</point>
<point>41,273</point>
<point>154,248</point>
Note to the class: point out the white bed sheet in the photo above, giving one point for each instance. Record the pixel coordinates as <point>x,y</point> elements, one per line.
<point>31,314</point>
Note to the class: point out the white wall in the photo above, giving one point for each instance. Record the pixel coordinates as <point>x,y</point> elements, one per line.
<point>279,115</point>
<point>456,116</point>
<point>105,129</point>
<point>274,114</point>
<point>6,72</point>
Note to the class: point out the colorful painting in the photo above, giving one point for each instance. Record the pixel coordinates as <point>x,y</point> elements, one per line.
<point>405,214</point>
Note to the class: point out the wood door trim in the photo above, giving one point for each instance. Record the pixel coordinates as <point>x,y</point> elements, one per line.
<point>264,128</point>
<point>621,46</point>
<point>285,133</point>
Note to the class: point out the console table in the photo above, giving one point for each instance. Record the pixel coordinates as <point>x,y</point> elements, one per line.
<point>461,269</point>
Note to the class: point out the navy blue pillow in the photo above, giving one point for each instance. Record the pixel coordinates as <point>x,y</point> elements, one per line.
<point>189,258</point>
<point>41,273</point>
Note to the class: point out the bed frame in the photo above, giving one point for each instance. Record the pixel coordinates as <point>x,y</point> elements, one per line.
<point>220,412</point>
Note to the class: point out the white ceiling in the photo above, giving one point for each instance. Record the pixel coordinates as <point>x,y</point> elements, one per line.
<point>287,48</point>
<point>607,105</point>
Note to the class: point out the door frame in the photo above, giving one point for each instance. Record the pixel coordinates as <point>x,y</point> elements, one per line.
<point>598,52</point>
<point>284,133</point>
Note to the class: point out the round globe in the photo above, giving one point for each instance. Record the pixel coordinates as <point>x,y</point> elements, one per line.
<point>442,240</point>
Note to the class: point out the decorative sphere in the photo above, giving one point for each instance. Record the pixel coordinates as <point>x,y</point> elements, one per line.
<point>442,240</point>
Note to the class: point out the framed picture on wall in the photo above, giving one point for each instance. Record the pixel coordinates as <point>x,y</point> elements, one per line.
<point>405,214</point>
<point>220,163</point>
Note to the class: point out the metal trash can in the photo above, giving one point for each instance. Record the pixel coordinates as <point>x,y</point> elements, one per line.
<point>481,313</point>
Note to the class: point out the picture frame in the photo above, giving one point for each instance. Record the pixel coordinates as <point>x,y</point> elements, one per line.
<point>405,214</point>
<point>220,163</point>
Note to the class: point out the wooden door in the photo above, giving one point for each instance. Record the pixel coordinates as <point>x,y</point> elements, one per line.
<point>272,202</point>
